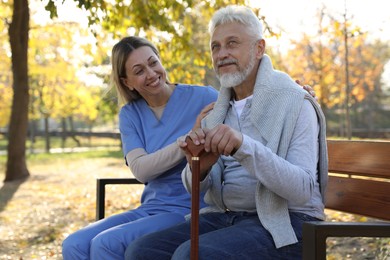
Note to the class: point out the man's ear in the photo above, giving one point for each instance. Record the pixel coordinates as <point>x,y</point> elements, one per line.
<point>260,47</point>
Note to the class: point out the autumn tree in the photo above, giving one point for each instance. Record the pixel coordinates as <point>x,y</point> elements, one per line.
<point>320,59</point>
<point>17,130</point>
<point>56,90</point>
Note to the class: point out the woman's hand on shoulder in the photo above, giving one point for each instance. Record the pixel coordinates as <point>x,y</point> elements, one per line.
<point>308,88</point>
<point>202,115</point>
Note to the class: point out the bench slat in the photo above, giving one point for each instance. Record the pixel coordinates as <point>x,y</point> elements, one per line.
<point>363,197</point>
<point>366,158</point>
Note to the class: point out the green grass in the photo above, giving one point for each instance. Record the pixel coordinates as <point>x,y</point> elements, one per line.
<point>56,142</point>
<point>66,157</point>
<point>74,155</point>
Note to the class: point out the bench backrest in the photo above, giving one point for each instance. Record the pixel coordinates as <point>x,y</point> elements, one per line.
<point>359,177</point>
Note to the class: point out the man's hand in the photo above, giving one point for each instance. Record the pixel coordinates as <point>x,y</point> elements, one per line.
<point>222,140</point>
<point>206,159</point>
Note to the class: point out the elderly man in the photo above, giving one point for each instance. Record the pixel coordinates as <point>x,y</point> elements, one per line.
<point>266,170</point>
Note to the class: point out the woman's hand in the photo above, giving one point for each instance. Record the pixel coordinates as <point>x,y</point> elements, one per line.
<point>308,88</point>
<point>202,114</point>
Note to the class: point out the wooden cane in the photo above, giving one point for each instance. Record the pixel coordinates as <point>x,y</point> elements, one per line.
<point>195,208</point>
<point>195,151</point>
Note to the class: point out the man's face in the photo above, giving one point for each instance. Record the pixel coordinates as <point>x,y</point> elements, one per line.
<point>234,54</point>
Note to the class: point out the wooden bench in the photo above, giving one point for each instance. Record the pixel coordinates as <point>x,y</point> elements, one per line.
<point>359,183</point>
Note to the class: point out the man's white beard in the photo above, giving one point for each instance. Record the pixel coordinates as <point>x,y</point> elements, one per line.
<point>230,80</point>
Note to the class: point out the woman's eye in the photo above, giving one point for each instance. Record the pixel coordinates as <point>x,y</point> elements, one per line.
<point>138,72</point>
<point>154,63</point>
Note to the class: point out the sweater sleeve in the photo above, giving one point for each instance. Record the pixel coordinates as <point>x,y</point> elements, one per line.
<point>146,167</point>
<point>292,178</point>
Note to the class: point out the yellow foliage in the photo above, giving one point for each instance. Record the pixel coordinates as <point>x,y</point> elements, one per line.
<point>321,62</point>
<point>55,60</point>
<point>5,104</point>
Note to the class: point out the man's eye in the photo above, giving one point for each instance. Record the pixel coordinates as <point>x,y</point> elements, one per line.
<point>232,44</point>
<point>214,47</point>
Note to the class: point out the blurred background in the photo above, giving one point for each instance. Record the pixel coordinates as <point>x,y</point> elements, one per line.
<point>58,113</point>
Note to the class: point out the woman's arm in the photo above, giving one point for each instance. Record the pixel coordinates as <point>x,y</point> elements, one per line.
<point>146,167</point>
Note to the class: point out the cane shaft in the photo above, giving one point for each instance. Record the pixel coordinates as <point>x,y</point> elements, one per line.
<point>195,163</point>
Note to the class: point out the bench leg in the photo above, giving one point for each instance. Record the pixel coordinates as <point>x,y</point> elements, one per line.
<point>315,234</point>
<point>314,243</point>
<point>101,192</point>
<point>100,199</point>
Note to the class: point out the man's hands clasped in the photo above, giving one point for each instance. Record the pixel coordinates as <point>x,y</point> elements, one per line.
<point>221,140</point>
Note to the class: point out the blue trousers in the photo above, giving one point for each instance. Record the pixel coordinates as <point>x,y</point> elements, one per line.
<point>229,235</point>
<point>108,238</point>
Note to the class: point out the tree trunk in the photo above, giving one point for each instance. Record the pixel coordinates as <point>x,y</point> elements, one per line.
<point>33,130</point>
<point>347,84</point>
<point>72,132</point>
<point>47,134</point>
<point>17,132</point>
<point>64,132</point>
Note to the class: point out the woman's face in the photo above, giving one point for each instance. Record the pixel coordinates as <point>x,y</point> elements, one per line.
<point>145,73</point>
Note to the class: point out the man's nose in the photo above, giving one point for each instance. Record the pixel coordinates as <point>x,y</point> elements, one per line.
<point>223,52</point>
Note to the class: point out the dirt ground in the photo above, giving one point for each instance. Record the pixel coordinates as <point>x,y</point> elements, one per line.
<point>37,214</point>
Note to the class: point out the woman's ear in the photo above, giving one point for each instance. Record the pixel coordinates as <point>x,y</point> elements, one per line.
<point>126,83</point>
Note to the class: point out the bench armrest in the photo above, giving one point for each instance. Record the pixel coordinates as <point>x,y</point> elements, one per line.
<point>101,192</point>
<point>316,232</point>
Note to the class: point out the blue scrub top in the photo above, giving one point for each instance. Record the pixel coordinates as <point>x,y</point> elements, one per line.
<point>141,129</point>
